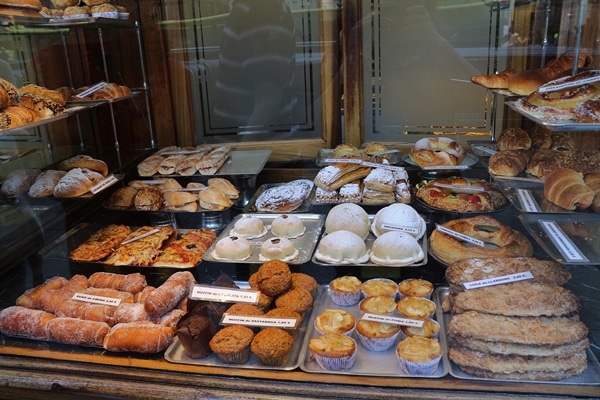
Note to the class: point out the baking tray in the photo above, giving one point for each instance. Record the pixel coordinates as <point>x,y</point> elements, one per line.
<point>305,243</point>
<point>369,242</point>
<point>500,179</point>
<point>556,126</point>
<point>324,154</point>
<point>176,354</point>
<point>567,238</point>
<point>368,363</point>
<point>304,207</point>
<point>528,197</point>
<point>482,148</point>
<point>469,161</point>
<point>590,377</point>
<point>45,121</point>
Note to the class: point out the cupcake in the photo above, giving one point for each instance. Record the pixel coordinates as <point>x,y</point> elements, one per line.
<point>415,307</point>
<point>264,301</point>
<point>232,344</point>
<point>334,352</point>
<point>304,281</point>
<point>419,355</point>
<point>335,321</point>
<point>429,329</point>
<point>272,346</point>
<point>297,299</point>
<point>415,287</point>
<point>381,305</point>
<point>377,336</point>
<point>345,290</point>
<point>288,226</point>
<point>274,277</point>
<point>379,287</point>
<point>249,227</point>
<point>194,332</point>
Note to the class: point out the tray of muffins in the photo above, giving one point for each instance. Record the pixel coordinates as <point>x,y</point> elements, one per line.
<point>376,328</point>
<point>394,237</point>
<point>257,238</point>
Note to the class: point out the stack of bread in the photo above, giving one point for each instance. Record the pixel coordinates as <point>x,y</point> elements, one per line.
<point>202,159</point>
<point>357,182</point>
<point>28,104</point>
<point>167,194</point>
<point>72,177</point>
<point>74,9</point>
<point>526,330</point>
<point>140,318</point>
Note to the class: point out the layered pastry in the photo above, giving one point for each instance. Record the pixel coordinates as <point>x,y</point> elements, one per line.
<point>232,248</point>
<point>287,226</point>
<point>399,217</point>
<point>342,247</point>
<point>278,248</point>
<point>396,248</point>
<point>249,227</point>
<point>349,217</point>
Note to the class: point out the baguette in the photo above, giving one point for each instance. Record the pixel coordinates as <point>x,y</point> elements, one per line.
<point>132,283</point>
<point>25,322</point>
<point>170,164</point>
<point>210,163</point>
<point>77,331</point>
<point>140,337</point>
<point>169,294</point>
<point>149,166</point>
<point>566,188</point>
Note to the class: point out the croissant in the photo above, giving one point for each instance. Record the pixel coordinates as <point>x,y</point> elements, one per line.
<point>42,92</point>
<point>566,188</point>
<point>9,96</point>
<point>514,139</point>
<point>562,64</point>
<point>44,106</point>
<point>111,91</point>
<point>14,116</point>
<point>508,162</point>
<point>592,179</point>
<point>494,81</point>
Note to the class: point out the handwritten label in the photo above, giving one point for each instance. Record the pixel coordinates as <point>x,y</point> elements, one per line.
<point>104,183</point>
<point>527,201</point>
<point>224,295</point>
<point>498,280</point>
<point>284,323</point>
<point>91,90</point>
<point>406,229</point>
<point>562,242</point>
<point>88,298</point>
<point>460,236</point>
<point>459,188</point>
<point>417,323</point>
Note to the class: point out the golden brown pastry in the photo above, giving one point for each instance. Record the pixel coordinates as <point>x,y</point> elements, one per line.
<point>437,151</point>
<point>541,138</point>
<point>15,116</point>
<point>30,4</point>
<point>514,139</point>
<point>111,91</point>
<point>562,142</point>
<point>224,186</point>
<point>526,82</point>
<point>566,188</point>
<point>494,81</point>
<point>37,90</point>
<point>9,96</point>
<point>508,162</point>
<point>62,4</point>
<point>592,179</point>
<point>45,107</point>
<point>213,199</point>
<point>148,199</point>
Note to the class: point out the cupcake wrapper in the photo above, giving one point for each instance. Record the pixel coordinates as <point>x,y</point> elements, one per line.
<point>336,363</point>
<point>345,299</point>
<point>422,368</point>
<point>240,357</point>
<point>378,344</point>
<point>275,361</point>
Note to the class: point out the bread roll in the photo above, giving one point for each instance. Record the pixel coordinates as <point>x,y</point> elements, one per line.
<point>84,161</point>
<point>45,183</point>
<point>213,199</point>
<point>148,199</point>
<point>77,182</point>
<point>514,139</point>
<point>566,188</point>
<point>149,166</point>
<point>508,162</point>
<point>122,198</point>
<point>19,181</point>
<point>224,186</point>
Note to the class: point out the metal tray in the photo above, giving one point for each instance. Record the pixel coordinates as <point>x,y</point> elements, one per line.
<point>556,126</point>
<point>305,244</point>
<point>176,354</point>
<point>324,154</point>
<point>368,363</point>
<point>591,376</point>
<point>469,161</point>
<point>567,238</point>
<point>500,179</point>
<point>369,242</point>
<point>529,198</point>
<point>304,207</point>
<point>483,148</point>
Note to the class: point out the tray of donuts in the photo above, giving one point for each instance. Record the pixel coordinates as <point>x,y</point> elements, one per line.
<point>103,312</point>
<point>394,237</point>
<point>81,176</point>
<point>260,237</point>
<point>376,328</point>
<point>168,194</point>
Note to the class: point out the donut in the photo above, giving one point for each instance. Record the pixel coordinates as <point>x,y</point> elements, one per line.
<point>506,241</point>
<point>588,111</point>
<point>437,151</point>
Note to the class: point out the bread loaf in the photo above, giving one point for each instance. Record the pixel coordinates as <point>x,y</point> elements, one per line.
<point>508,162</point>
<point>77,182</point>
<point>45,183</point>
<point>566,188</point>
<point>84,161</point>
<point>19,181</point>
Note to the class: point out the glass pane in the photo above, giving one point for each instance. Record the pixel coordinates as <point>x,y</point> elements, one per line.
<point>253,68</point>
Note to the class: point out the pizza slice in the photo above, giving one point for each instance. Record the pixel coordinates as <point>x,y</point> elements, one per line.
<point>187,251</point>
<point>141,247</point>
<point>101,244</point>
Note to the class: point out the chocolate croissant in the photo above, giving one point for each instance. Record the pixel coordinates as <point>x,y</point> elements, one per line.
<point>566,188</point>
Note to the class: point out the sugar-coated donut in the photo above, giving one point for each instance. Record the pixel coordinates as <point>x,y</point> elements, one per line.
<point>509,242</point>
<point>437,151</point>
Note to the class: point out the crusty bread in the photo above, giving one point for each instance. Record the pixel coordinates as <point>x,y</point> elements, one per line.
<point>45,183</point>
<point>508,162</point>
<point>514,139</point>
<point>84,161</point>
<point>76,182</point>
<point>19,181</point>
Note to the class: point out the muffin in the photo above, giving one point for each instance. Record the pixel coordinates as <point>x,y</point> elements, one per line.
<point>342,247</point>
<point>345,290</point>
<point>430,329</point>
<point>377,336</point>
<point>287,226</point>
<point>419,355</point>
<point>272,346</point>
<point>335,321</point>
<point>297,299</point>
<point>415,307</point>
<point>245,309</point>
<point>264,301</point>
<point>304,281</point>
<point>399,217</point>
<point>278,248</point>
<point>194,332</point>
<point>253,281</point>
<point>334,352</point>
<point>381,305</point>
<point>396,249</point>
<point>249,227</point>
<point>232,248</point>
<point>274,277</point>
<point>348,217</point>
<point>232,344</point>
<point>379,287</point>
<point>415,288</point>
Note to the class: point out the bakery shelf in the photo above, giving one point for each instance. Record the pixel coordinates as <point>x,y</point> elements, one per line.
<point>555,125</point>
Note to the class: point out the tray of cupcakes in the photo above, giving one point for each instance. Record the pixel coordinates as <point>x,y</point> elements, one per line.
<point>377,328</point>
<point>257,324</point>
